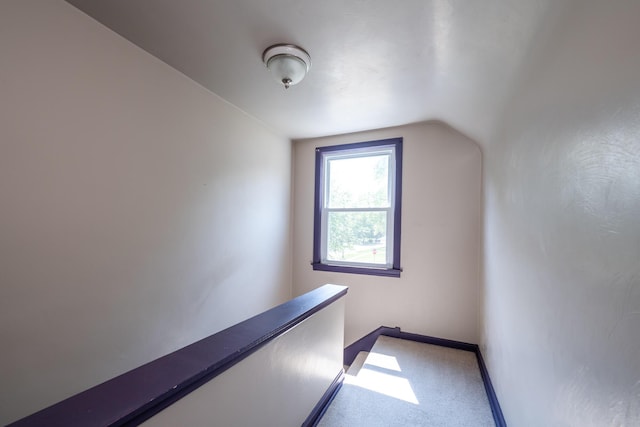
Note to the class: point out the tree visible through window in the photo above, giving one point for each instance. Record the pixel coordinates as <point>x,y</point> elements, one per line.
<point>357,217</point>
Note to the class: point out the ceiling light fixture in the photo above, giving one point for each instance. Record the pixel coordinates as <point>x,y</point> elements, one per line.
<point>287,62</point>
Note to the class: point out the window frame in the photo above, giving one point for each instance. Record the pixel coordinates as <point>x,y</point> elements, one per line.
<point>319,232</point>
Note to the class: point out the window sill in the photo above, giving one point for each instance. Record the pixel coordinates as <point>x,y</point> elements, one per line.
<point>387,272</point>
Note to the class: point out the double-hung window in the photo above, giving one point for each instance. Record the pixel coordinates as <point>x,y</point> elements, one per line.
<point>358,208</point>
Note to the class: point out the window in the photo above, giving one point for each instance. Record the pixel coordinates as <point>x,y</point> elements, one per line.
<point>357,208</point>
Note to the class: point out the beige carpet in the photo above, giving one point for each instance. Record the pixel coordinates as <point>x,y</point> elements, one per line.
<point>406,383</point>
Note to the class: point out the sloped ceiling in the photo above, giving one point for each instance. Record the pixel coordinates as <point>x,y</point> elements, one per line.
<point>376,63</point>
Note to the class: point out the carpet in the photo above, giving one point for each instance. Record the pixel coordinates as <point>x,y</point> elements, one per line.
<point>406,383</point>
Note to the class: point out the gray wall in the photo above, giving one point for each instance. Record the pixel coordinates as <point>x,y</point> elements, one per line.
<point>139,212</point>
<point>438,291</point>
<point>562,227</point>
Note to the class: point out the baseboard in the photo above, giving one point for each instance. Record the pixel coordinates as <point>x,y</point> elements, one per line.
<point>498,417</point>
<point>366,343</point>
<point>324,402</point>
<point>363,344</point>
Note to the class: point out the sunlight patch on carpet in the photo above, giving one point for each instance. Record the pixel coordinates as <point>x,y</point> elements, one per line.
<point>383,361</point>
<point>390,385</point>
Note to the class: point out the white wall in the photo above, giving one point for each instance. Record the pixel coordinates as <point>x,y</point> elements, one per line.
<point>138,211</point>
<point>437,293</point>
<point>562,227</point>
<point>277,386</point>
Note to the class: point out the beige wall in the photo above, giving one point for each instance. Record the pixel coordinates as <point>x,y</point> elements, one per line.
<point>139,212</point>
<point>561,335</point>
<point>437,293</point>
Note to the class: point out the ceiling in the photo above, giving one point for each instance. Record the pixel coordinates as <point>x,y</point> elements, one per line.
<point>376,63</point>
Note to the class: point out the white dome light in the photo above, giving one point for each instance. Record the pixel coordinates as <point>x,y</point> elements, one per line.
<point>288,63</point>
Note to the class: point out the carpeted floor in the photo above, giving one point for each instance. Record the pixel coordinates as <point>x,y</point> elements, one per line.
<point>406,383</point>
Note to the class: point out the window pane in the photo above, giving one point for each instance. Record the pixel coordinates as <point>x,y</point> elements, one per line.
<point>357,209</point>
<point>357,237</point>
<point>358,182</point>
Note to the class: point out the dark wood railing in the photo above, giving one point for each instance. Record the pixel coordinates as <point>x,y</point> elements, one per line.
<point>137,395</point>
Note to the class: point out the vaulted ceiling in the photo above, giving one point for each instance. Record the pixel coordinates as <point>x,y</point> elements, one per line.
<point>376,63</point>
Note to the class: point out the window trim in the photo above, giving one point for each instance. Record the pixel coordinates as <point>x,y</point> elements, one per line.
<point>317,264</point>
